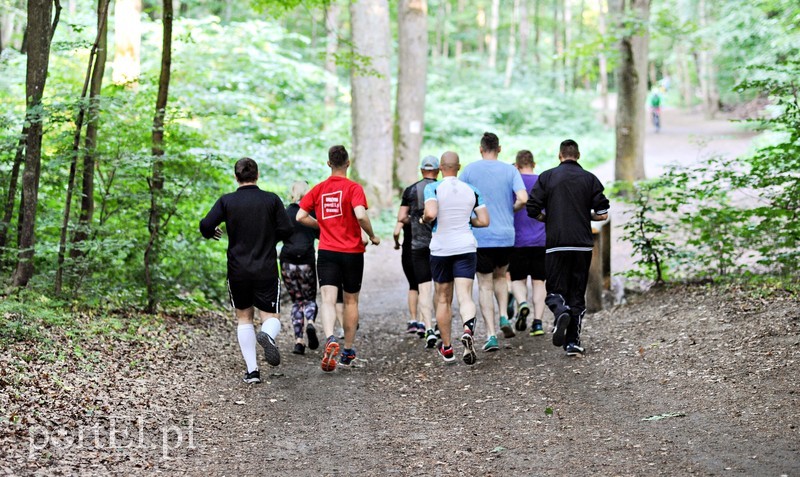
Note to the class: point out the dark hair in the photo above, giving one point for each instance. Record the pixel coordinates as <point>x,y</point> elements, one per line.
<point>569,148</point>
<point>337,156</point>
<point>490,142</point>
<point>246,170</point>
<point>525,158</point>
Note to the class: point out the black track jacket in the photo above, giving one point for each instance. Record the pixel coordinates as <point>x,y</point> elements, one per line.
<point>255,221</point>
<point>567,194</point>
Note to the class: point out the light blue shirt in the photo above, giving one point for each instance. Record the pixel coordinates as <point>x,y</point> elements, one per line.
<point>452,232</point>
<point>498,183</point>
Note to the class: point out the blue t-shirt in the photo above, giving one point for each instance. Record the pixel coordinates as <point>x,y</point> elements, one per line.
<point>498,183</point>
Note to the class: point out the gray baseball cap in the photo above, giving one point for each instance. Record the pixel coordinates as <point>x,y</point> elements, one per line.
<point>429,163</point>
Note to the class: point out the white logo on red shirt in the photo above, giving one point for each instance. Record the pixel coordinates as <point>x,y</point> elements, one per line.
<point>331,205</point>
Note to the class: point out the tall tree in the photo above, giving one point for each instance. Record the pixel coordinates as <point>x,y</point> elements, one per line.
<point>151,257</point>
<point>11,194</point>
<point>602,61</point>
<point>90,144</point>
<point>127,41</point>
<point>459,42</point>
<point>524,32</point>
<point>537,33</point>
<point>332,44</point>
<point>632,16</point>
<point>372,150</point>
<point>707,70</point>
<point>102,10</point>
<point>512,45</point>
<point>41,28</point>
<point>412,72</point>
<point>494,23</point>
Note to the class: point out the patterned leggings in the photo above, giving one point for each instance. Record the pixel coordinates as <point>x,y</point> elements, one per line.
<point>301,284</point>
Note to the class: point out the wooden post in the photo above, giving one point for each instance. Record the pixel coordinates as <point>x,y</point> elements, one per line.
<point>600,270</point>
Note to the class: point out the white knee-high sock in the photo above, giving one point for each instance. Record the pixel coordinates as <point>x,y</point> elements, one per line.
<point>247,342</point>
<point>271,326</point>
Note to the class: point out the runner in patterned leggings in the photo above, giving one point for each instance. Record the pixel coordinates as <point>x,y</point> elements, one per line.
<point>299,273</point>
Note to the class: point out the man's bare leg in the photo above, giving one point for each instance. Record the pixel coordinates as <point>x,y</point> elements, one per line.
<point>328,309</point>
<point>425,305</point>
<point>468,311</point>
<point>539,295</point>
<point>350,318</point>
<point>444,314</point>
<point>486,301</point>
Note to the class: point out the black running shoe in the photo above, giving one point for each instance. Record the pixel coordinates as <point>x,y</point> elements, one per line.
<point>574,349</point>
<point>470,357</point>
<point>252,378</point>
<point>560,330</point>
<point>311,333</point>
<point>522,317</point>
<point>430,339</point>
<point>271,353</point>
<point>299,348</point>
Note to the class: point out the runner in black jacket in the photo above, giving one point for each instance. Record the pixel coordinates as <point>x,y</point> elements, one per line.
<point>255,221</point>
<point>568,198</point>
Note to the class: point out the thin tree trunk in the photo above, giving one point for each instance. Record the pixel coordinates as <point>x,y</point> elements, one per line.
<point>11,195</point>
<point>512,45</point>
<point>576,63</point>
<point>372,150</point>
<point>6,29</point>
<point>440,19</point>
<point>603,62</point>
<point>684,75</point>
<point>62,242</point>
<point>494,23</point>
<point>481,20</point>
<point>537,57</point>
<point>556,44</point>
<point>41,29</point>
<point>448,12</point>
<point>708,84</point>
<point>412,36</point>
<point>524,32</point>
<point>332,82</point>
<point>632,91</point>
<point>566,31</point>
<point>127,41</point>
<point>90,144</point>
<point>151,257</point>
<point>459,43</point>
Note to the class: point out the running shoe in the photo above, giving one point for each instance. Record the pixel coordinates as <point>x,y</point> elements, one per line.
<point>536,328</point>
<point>512,305</point>
<point>271,353</point>
<point>252,378</point>
<point>522,317</point>
<point>311,333</point>
<point>412,327</point>
<point>420,329</point>
<point>437,332</point>
<point>329,355</point>
<point>348,357</point>
<point>491,344</point>
<point>505,326</point>
<point>446,353</point>
<point>299,348</point>
<point>574,349</point>
<point>430,339</point>
<point>560,329</point>
<point>469,349</point>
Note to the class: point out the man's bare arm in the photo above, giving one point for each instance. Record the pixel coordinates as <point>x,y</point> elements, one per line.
<point>304,218</point>
<point>521,199</point>
<point>366,225</point>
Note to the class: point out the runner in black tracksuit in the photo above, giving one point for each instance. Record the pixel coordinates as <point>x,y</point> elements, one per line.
<point>568,198</point>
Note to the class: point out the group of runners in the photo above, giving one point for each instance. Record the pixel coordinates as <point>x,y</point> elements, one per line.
<point>491,219</point>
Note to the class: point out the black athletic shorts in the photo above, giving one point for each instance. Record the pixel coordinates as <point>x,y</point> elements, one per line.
<point>408,269</point>
<point>421,260</point>
<point>447,269</point>
<point>490,258</point>
<point>340,269</point>
<point>263,294</point>
<point>527,262</point>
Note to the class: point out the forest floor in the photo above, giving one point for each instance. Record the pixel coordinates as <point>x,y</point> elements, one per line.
<point>684,380</point>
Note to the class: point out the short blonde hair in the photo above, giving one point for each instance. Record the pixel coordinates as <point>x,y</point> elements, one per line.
<point>299,189</point>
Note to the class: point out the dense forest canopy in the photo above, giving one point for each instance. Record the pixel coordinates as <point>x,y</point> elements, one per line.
<point>272,80</point>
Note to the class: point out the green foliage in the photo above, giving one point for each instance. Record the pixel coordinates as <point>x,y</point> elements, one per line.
<point>730,216</point>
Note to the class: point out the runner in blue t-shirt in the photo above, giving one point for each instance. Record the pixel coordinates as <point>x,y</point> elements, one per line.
<point>504,193</point>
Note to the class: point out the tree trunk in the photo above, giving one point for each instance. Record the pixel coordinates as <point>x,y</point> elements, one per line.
<point>448,12</point>
<point>576,63</point>
<point>90,144</point>
<point>332,81</point>
<point>566,33</point>
<point>436,51</point>
<point>684,75</point>
<point>151,258</point>
<point>40,31</point>
<point>412,41</point>
<point>494,23</point>
<point>6,29</point>
<point>537,57</point>
<point>632,90</point>
<point>127,41</point>
<point>481,20</point>
<point>372,150</point>
<point>459,43</point>
<point>708,82</point>
<point>11,195</point>
<point>556,44</point>
<point>524,32</point>
<point>102,10</point>
<point>512,45</point>
<point>603,62</point>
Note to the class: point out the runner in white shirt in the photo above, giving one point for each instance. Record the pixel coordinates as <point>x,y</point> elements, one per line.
<point>449,205</point>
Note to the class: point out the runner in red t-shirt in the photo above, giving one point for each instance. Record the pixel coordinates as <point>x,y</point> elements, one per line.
<point>341,210</point>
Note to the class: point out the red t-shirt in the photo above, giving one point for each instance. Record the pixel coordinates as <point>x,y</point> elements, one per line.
<point>333,201</point>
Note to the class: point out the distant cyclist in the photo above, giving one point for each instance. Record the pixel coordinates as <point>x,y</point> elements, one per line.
<point>655,109</point>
